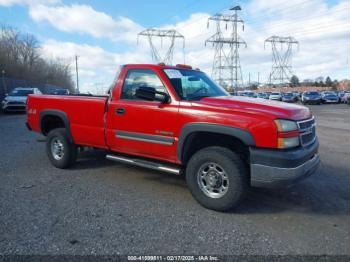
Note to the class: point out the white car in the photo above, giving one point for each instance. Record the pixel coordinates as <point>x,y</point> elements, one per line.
<point>276,96</point>
<point>16,100</point>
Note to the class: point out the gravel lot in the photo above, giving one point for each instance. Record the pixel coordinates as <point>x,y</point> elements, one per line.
<point>101,207</point>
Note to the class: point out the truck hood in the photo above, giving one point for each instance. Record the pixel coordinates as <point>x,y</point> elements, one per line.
<point>272,109</point>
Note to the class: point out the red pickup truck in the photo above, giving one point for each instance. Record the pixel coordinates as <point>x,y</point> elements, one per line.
<point>176,119</point>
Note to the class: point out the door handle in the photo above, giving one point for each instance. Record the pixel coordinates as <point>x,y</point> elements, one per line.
<point>120,111</point>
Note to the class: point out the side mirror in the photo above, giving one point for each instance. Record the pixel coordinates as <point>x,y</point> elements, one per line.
<point>151,94</point>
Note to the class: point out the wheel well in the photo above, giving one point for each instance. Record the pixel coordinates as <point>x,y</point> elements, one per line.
<point>50,122</point>
<point>199,140</point>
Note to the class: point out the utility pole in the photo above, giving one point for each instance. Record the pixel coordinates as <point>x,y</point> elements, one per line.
<point>226,69</point>
<point>258,78</point>
<point>281,58</point>
<point>249,80</point>
<point>171,35</point>
<point>77,72</point>
<point>3,81</point>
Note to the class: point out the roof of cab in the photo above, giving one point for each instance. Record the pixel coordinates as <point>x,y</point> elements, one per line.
<point>162,66</point>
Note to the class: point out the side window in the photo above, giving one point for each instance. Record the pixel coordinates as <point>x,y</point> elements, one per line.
<point>137,78</point>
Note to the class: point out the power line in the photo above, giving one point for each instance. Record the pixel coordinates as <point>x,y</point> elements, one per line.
<point>285,24</point>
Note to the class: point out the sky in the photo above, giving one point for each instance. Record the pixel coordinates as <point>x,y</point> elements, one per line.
<point>104,34</point>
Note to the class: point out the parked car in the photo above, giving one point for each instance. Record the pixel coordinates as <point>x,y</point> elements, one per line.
<point>177,120</point>
<point>16,100</point>
<point>60,91</point>
<point>289,97</point>
<point>251,94</point>
<point>329,97</point>
<point>276,96</point>
<point>247,94</point>
<point>263,95</point>
<point>347,99</point>
<point>343,97</point>
<point>311,97</point>
<point>297,95</point>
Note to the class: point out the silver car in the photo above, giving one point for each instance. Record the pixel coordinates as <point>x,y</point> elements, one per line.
<point>16,100</point>
<point>276,96</point>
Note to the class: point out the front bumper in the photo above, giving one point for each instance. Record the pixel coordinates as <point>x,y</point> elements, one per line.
<point>312,101</point>
<point>288,100</point>
<point>14,107</point>
<point>330,101</point>
<point>276,168</point>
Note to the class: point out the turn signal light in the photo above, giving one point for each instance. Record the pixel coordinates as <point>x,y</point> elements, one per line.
<point>288,142</point>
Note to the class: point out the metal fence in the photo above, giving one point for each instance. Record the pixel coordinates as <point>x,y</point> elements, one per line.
<point>8,84</point>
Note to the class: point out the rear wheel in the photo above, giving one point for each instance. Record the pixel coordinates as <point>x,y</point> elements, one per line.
<point>60,150</point>
<point>217,178</point>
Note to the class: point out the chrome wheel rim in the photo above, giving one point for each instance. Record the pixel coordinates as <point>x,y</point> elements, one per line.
<point>57,149</point>
<point>212,180</point>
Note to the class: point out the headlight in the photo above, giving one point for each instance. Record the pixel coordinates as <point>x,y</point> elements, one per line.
<point>285,139</point>
<point>286,125</point>
<point>288,142</point>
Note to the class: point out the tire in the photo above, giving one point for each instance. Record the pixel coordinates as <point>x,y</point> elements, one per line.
<point>66,153</point>
<point>214,159</point>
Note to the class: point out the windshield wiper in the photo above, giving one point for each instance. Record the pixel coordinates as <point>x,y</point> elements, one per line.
<point>199,97</point>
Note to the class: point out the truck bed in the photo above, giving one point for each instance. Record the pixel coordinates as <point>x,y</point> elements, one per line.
<point>84,113</point>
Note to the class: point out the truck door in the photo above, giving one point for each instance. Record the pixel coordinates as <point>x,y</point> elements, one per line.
<point>140,127</point>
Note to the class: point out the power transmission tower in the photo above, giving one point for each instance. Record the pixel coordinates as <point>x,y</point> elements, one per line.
<point>227,69</point>
<point>171,35</point>
<point>282,47</point>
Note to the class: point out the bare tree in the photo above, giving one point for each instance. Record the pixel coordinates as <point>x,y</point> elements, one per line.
<point>20,57</point>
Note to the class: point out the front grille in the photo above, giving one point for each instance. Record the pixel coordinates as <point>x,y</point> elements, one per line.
<point>14,108</point>
<point>307,130</point>
<point>15,103</point>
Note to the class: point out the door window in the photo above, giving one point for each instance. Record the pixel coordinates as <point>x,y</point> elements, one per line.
<point>140,78</point>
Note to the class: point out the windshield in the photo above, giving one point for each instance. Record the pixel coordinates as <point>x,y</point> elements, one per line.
<point>275,94</point>
<point>193,85</point>
<point>288,94</point>
<point>311,93</point>
<point>21,92</point>
<point>60,92</point>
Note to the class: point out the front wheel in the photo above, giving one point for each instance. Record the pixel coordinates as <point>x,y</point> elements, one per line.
<point>217,178</point>
<point>61,151</point>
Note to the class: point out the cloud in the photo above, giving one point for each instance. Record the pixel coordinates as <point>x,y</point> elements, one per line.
<point>96,65</point>
<point>8,3</point>
<point>323,31</point>
<point>84,19</point>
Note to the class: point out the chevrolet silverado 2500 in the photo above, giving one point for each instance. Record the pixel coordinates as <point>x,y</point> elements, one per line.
<point>176,119</point>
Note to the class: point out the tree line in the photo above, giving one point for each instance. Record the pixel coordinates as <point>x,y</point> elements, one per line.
<point>20,57</point>
<point>294,82</point>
